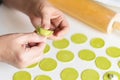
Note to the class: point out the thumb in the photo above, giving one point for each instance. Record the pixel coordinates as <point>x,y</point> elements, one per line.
<point>36,21</point>
<point>45,22</point>
<point>33,37</point>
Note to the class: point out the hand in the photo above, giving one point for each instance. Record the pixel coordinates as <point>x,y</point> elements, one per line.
<point>50,18</point>
<point>43,14</point>
<point>21,50</point>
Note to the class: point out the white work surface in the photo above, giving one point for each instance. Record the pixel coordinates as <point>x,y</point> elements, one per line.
<point>12,21</point>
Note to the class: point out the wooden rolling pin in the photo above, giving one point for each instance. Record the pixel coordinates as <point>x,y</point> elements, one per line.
<point>90,12</point>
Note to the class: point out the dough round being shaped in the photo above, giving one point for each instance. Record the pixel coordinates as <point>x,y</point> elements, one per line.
<point>102,63</point>
<point>61,44</point>
<point>113,52</point>
<point>97,42</point>
<point>48,64</point>
<point>22,75</point>
<point>44,32</point>
<point>42,77</point>
<point>90,74</point>
<point>65,56</point>
<point>78,38</point>
<point>69,74</point>
<point>86,55</point>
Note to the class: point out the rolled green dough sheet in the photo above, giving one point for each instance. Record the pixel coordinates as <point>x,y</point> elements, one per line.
<point>97,42</point>
<point>33,65</point>
<point>61,44</point>
<point>65,56</point>
<point>116,75</point>
<point>47,49</point>
<point>22,75</point>
<point>113,52</point>
<point>69,74</point>
<point>90,74</point>
<point>42,77</point>
<point>79,38</point>
<point>102,63</point>
<point>48,64</point>
<point>87,55</point>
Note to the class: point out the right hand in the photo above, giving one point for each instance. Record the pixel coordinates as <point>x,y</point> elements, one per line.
<point>42,13</point>
<point>21,50</point>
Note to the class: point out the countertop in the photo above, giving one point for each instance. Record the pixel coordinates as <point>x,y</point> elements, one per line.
<point>12,21</point>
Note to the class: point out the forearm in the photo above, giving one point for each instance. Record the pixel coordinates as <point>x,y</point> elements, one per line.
<point>26,6</point>
<point>17,4</point>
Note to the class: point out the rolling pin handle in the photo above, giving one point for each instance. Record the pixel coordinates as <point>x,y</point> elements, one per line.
<point>116,25</point>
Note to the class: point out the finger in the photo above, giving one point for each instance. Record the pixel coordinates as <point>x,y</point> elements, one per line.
<point>62,31</point>
<point>45,21</point>
<point>55,37</point>
<point>34,51</point>
<point>35,60</point>
<point>57,20</point>
<point>38,58</point>
<point>36,21</point>
<point>64,27</point>
<point>38,48</point>
<point>33,37</point>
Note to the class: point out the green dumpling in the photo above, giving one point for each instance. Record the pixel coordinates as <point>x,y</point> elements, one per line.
<point>44,32</point>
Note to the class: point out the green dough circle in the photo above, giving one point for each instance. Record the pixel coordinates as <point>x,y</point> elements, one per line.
<point>69,74</point>
<point>47,49</point>
<point>33,65</point>
<point>119,64</point>
<point>65,56</point>
<point>79,38</point>
<point>97,43</point>
<point>48,64</point>
<point>90,74</point>
<point>106,75</point>
<point>22,75</point>
<point>42,77</point>
<point>113,52</point>
<point>102,63</point>
<point>61,44</point>
<point>87,55</point>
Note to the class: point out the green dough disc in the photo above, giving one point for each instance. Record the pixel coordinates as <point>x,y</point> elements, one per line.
<point>103,63</point>
<point>115,75</point>
<point>44,32</point>
<point>22,75</point>
<point>42,77</point>
<point>65,56</point>
<point>119,64</point>
<point>33,65</point>
<point>87,55</point>
<point>97,43</point>
<point>48,64</point>
<point>47,49</point>
<point>79,38</point>
<point>61,44</point>
<point>113,52</point>
<point>90,74</point>
<point>69,74</point>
